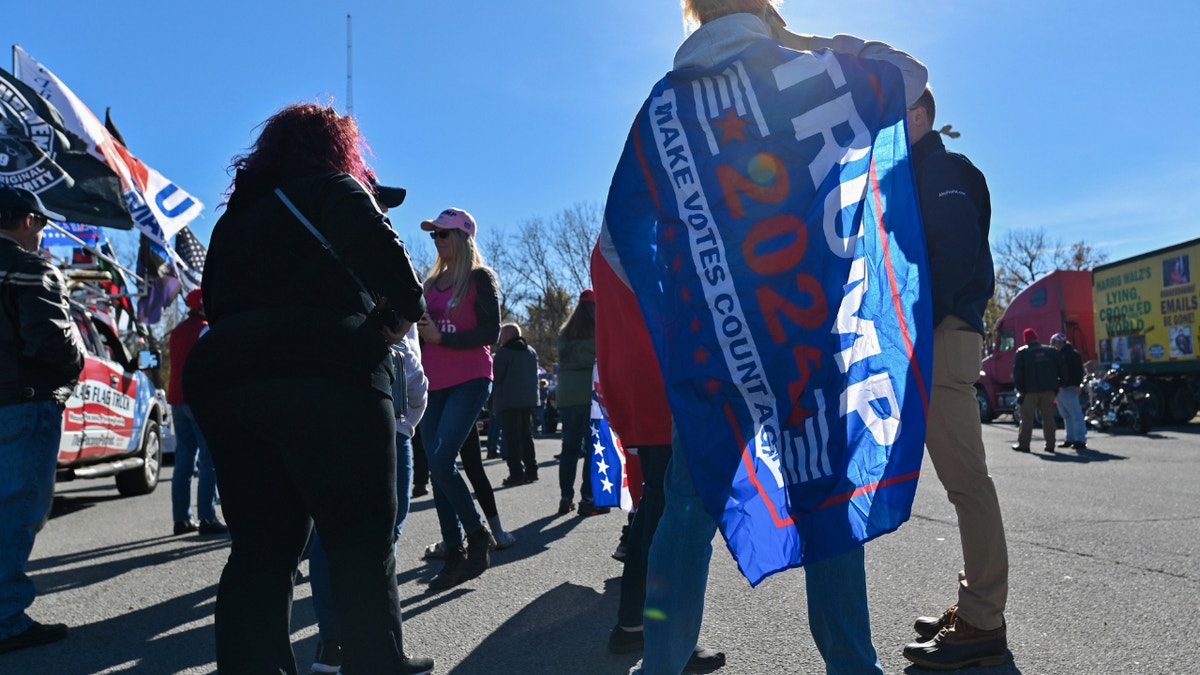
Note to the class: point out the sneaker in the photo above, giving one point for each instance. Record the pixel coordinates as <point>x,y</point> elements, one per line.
<point>703,660</point>
<point>1080,445</point>
<point>621,641</point>
<point>959,645</point>
<point>621,553</point>
<point>565,506</point>
<point>435,551</point>
<point>416,665</point>
<point>1020,448</point>
<point>328,658</point>
<point>186,527</point>
<point>37,634</point>
<point>503,540</point>
<point>451,574</point>
<point>929,626</point>
<point>479,550</point>
<point>211,527</point>
<point>1067,444</point>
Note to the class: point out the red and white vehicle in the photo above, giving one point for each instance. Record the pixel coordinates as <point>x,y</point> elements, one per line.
<point>113,421</point>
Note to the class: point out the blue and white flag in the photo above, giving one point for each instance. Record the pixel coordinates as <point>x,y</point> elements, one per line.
<point>764,213</point>
<point>54,237</point>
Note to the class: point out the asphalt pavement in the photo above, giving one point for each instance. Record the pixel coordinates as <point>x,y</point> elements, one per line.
<point>1104,548</point>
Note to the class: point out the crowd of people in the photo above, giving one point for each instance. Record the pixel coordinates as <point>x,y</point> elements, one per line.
<point>330,382</point>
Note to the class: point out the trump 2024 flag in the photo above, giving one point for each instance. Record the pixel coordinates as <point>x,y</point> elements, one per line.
<point>764,213</point>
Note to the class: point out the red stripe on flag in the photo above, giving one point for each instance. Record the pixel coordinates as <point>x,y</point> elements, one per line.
<point>878,485</point>
<point>887,259</point>
<point>749,462</point>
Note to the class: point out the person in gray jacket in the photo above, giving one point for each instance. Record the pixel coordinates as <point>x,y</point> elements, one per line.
<point>515,395</point>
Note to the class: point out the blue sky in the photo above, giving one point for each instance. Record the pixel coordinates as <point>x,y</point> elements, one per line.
<point>1080,114</point>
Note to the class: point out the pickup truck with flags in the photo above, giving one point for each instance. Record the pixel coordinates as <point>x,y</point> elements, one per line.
<point>114,419</point>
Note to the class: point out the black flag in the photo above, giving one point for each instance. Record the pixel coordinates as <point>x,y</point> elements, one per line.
<point>39,154</point>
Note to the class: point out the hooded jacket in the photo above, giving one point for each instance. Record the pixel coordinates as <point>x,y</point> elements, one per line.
<point>515,371</point>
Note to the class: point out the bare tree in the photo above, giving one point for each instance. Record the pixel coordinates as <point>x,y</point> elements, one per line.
<point>543,264</point>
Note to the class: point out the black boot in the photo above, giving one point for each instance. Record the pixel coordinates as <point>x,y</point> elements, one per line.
<point>479,549</point>
<point>452,572</point>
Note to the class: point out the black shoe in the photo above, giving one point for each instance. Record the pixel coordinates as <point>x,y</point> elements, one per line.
<point>36,634</point>
<point>1050,448</point>
<point>452,572</point>
<point>959,645</point>
<point>186,527</point>
<point>328,658</point>
<point>929,626</point>
<point>493,455</point>
<point>1067,444</point>
<point>513,480</point>
<point>479,549</point>
<point>565,506</point>
<point>1019,448</point>
<point>210,527</point>
<point>531,477</point>
<point>621,641</point>
<point>420,490</point>
<point>1080,445</point>
<point>416,665</point>
<point>588,507</point>
<point>703,660</point>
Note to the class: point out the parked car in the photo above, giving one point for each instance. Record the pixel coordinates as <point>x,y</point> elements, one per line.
<point>113,420</point>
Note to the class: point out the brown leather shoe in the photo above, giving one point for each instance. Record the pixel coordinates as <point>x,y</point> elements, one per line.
<point>959,645</point>
<point>929,626</point>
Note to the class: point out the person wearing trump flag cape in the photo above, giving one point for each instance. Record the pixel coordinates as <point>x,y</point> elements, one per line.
<point>764,215</point>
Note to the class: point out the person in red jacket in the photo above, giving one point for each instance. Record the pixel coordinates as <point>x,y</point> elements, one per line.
<point>190,449</point>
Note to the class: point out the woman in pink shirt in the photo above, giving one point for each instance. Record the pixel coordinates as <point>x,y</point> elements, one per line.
<point>461,325</point>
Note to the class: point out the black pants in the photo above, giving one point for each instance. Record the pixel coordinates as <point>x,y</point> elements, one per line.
<point>290,453</point>
<point>654,460</point>
<point>518,440</point>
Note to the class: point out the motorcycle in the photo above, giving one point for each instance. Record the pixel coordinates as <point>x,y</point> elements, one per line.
<point>1119,401</point>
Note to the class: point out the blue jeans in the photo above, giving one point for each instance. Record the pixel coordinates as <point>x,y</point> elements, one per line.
<point>29,436</point>
<point>191,450</point>
<point>318,561</point>
<point>678,577</point>
<point>450,414</point>
<point>1072,414</point>
<point>576,431</point>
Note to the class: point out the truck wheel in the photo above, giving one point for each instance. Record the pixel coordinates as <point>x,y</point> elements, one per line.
<point>1181,405</point>
<point>1155,403</point>
<point>986,413</point>
<point>1141,418</point>
<point>143,480</point>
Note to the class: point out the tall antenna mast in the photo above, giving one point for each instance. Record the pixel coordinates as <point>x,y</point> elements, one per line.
<point>349,70</point>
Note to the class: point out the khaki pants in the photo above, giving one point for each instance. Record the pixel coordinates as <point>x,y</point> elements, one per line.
<point>955,445</point>
<point>1032,403</point>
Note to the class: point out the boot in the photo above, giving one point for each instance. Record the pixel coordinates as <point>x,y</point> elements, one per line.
<point>479,549</point>
<point>452,573</point>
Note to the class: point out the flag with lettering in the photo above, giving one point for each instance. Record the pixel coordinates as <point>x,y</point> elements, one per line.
<point>764,213</point>
<point>38,153</point>
<point>610,479</point>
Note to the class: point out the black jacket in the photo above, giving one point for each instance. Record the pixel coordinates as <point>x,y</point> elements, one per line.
<point>956,208</point>
<point>280,306</point>
<point>40,359</point>
<point>515,372</point>
<point>1072,365</point>
<point>1037,368</point>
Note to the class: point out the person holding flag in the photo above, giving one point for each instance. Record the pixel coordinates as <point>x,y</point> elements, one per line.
<point>764,217</point>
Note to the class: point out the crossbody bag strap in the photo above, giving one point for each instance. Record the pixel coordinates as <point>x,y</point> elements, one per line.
<point>326,245</point>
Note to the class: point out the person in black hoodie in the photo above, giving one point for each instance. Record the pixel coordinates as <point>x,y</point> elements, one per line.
<point>515,372</point>
<point>1068,396</point>
<point>292,388</point>
<point>1037,375</point>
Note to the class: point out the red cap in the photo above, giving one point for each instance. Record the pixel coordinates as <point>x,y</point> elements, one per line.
<point>1030,335</point>
<point>587,295</point>
<point>194,300</point>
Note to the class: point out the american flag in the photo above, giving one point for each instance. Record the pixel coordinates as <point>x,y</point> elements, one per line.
<point>191,258</point>
<point>610,481</point>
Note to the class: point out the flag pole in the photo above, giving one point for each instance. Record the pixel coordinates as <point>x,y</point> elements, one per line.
<point>94,251</point>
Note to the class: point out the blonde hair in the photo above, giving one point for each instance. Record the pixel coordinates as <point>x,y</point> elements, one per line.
<point>467,259</point>
<point>695,10</point>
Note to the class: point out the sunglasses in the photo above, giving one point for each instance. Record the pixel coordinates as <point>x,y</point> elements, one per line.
<point>440,234</point>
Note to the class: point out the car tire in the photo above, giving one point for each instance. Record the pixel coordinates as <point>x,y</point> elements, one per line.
<point>143,480</point>
<point>986,413</point>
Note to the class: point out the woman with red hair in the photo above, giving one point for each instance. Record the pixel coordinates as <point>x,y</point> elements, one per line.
<point>305,287</point>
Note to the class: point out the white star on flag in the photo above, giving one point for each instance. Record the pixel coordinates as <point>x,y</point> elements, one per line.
<point>607,484</point>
